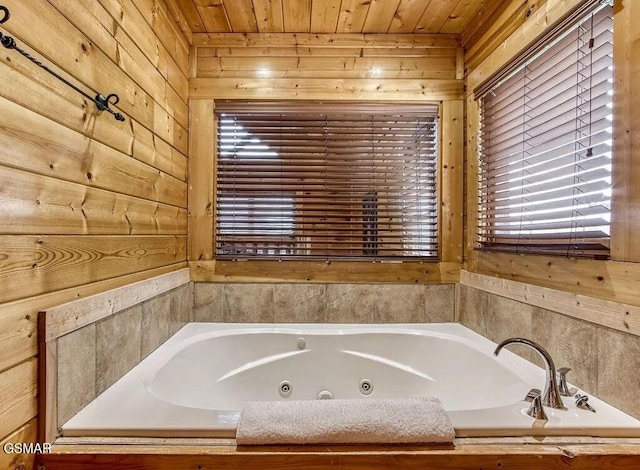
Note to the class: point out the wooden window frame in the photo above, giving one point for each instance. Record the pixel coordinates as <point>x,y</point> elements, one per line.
<point>517,211</point>
<point>616,279</point>
<point>204,268</point>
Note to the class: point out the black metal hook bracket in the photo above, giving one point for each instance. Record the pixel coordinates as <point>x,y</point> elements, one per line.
<point>102,102</point>
<point>6,16</point>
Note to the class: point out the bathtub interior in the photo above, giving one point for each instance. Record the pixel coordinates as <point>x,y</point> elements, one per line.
<point>194,385</point>
<point>394,364</point>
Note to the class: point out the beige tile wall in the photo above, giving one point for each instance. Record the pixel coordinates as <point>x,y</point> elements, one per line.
<point>603,361</point>
<point>324,303</point>
<point>94,357</point>
<point>76,371</point>
<point>118,344</point>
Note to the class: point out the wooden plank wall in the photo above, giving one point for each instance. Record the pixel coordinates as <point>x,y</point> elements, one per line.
<point>614,280</point>
<point>357,67</point>
<point>401,67</point>
<point>88,203</point>
<point>496,22</point>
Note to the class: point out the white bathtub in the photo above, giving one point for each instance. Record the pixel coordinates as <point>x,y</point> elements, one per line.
<point>195,383</point>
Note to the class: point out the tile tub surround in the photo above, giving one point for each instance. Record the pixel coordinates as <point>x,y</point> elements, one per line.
<point>118,346</point>
<point>194,385</point>
<point>94,357</point>
<point>323,303</point>
<point>603,361</point>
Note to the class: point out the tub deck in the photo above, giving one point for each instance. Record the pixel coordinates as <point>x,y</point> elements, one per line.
<point>465,454</point>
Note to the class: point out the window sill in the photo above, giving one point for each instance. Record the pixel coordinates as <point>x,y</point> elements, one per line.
<point>427,271</point>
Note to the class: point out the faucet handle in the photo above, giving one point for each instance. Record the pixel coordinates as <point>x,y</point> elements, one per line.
<point>533,393</point>
<point>562,382</point>
<point>581,402</point>
<point>536,410</point>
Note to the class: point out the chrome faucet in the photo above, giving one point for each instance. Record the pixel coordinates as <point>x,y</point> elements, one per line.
<point>551,395</point>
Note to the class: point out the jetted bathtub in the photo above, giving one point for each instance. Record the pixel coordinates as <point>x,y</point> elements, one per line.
<point>194,384</point>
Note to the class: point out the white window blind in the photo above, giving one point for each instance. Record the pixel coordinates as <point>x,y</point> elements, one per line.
<point>330,181</point>
<point>545,145</point>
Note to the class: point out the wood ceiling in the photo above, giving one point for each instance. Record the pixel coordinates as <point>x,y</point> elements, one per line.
<point>329,16</point>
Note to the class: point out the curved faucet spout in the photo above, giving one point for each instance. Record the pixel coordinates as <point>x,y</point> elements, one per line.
<point>551,396</point>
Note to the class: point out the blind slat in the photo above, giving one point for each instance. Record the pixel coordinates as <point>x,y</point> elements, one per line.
<point>304,181</point>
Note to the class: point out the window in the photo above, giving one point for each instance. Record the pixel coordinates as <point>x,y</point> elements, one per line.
<point>545,144</point>
<point>261,235</point>
<point>329,181</point>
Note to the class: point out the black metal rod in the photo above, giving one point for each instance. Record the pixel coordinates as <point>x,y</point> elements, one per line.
<point>102,102</point>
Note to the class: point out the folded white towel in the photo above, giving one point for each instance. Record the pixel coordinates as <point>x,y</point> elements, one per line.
<point>361,421</point>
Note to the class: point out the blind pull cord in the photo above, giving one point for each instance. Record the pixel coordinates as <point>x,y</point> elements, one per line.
<point>102,102</point>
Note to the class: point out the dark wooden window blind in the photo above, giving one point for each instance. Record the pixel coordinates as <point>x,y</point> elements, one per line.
<point>329,181</point>
<point>545,145</point>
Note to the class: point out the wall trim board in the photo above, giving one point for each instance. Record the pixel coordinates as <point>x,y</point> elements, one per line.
<point>619,316</point>
<point>202,171</point>
<point>47,385</point>
<point>324,89</point>
<point>193,64</point>
<point>471,186</point>
<point>611,280</point>
<point>68,317</point>
<point>451,168</point>
<point>330,67</point>
<point>255,271</point>
<point>337,40</point>
<point>462,456</point>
